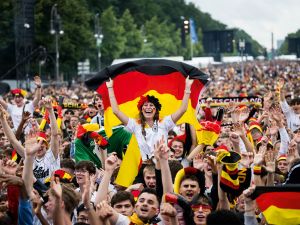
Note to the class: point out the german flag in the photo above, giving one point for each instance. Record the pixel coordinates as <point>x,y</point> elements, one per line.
<point>163,79</point>
<point>279,204</point>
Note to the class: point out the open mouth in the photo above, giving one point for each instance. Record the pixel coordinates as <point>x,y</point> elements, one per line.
<point>152,186</point>
<point>144,210</point>
<point>190,194</point>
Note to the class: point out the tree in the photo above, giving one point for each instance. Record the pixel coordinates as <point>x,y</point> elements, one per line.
<point>113,41</point>
<point>134,40</point>
<point>162,39</point>
<point>77,43</point>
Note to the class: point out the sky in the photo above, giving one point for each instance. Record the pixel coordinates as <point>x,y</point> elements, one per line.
<point>259,18</point>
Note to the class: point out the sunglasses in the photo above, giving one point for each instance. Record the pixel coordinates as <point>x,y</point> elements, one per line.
<point>205,208</point>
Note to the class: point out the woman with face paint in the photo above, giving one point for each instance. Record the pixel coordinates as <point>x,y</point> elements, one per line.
<point>148,129</point>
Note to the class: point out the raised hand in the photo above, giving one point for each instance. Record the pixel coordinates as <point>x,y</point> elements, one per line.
<point>234,138</point>
<point>10,167</point>
<point>3,112</point>
<point>239,129</point>
<point>259,157</point>
<point>31,144</point>
<point>37,81</point>
<point>110,83</point>
<point>56,187</point>
<point>188,83</point>
<point>103,210</point>
<point>111,162</point>
<point>270,161</point>
<point>7,179</point>
<point>198,162</point>
<point>161,149</point>
<point>166,209</point>
<point>36,202</point>
<point>47,103</point>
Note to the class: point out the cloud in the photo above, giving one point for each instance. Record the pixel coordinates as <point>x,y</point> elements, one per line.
<point>258,18</point>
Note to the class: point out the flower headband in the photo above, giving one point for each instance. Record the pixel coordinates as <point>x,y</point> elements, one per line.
<point>149,98</point>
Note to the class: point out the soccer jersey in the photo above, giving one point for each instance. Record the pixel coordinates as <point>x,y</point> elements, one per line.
<point>44,167</point>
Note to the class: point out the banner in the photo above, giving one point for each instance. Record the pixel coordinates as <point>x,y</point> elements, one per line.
<point>250,100</point>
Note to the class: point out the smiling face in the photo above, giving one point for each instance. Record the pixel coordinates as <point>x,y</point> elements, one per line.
<point>147,206</point>
<point>189,189</point>
<point>178,148</point>
<point>148,110</point>
<point>42,151</point>
<point>18,100</point>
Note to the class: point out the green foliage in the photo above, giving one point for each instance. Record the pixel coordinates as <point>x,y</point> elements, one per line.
<point>284,47</point>
<point>133,36</point>
<point>114,40</point>
<point>131,28</point>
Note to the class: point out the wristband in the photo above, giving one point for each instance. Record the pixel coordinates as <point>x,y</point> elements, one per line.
<point>187,91</point>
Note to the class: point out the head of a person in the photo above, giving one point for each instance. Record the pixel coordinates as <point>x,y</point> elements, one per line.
<point>147,205</point>
<point>123,202</point>
<point>171,135</point>
<point>19,95</point>
<point>68,165</point>
<point>98,102</point>
<point>149,176</point>
<point>149,107</point>
<point>70,199</point>
<point>295,104</point>
<point>202,207</point>
<point>255,130</point>
<point>178,146</point>
<point>83,167</point>
<point>44,146</point>
<point>74,120</point>
<point>282,164</point>
<point>82,214</point>
<point>192,185</point>
<point>223,217</point>
<point>68,114</point>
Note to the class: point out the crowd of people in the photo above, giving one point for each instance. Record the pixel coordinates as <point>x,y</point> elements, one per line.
<point>58,167</point>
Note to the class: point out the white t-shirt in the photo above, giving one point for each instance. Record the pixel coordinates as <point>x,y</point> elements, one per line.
<point>16,112</point>
<point>293,119</point>
<point>146,144</point>
<point>44,167</point>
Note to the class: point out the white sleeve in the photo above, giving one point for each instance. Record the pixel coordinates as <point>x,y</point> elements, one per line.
<point>242,146</point>
<point>122,220</point>
<point>168,123</point>
<point>131,125</point>
<point>286,109</point>
<point>284,141</point>
<point>9,108</point>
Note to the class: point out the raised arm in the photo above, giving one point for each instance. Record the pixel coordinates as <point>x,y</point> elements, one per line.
<point>9,133</point>
<point>110,164</point>
<point>185,101</point>
<point>3,103</point>
<point>54,144</point>
<point>114,105</point>
<point>162,150</point>
<point>31,148</point>
<point>38,91</point>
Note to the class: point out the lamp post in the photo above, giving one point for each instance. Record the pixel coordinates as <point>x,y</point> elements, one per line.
<point>242,48</point>
<point>99,36</point>
<point>56,29</point>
